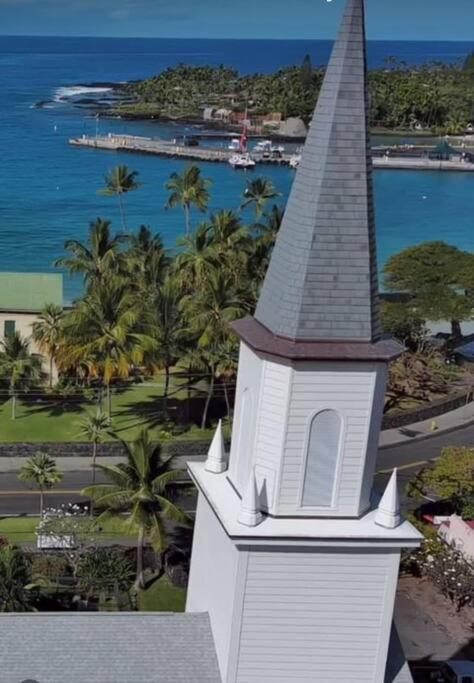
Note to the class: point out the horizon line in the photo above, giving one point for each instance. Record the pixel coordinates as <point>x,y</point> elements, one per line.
<point>275,39</point>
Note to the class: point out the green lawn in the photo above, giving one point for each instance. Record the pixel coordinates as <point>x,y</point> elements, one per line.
<point>162,596</point>
<point>22,529</point>
<point>135,407</point>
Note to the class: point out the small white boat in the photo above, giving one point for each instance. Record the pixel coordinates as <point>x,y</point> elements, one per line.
<point>266,147</point>
<point>295,160</point>
<point>241,161</point>
<point>234,145</point>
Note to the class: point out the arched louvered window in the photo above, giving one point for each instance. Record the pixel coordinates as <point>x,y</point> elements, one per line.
<point>244,446</point>
<point>322,459</point>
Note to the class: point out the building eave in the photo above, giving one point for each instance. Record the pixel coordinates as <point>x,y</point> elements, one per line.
<point>342,532</point>
<point>261,339</point>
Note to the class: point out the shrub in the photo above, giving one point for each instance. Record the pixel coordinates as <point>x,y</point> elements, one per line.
<point>104,569</point>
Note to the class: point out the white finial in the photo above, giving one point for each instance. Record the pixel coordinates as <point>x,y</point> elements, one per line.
<point>388,512</point>
<point>250,514</point>
<point>216,458</point>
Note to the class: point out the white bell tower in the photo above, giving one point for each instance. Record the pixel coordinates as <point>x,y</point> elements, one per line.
<point>291,558</point>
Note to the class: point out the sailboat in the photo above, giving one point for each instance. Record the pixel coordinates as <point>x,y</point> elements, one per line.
<point>242,159</point>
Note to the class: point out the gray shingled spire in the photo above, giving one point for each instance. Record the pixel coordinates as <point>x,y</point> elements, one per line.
<point>322,280</point>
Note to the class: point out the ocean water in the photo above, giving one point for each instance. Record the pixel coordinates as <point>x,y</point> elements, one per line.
<point>48,189</point>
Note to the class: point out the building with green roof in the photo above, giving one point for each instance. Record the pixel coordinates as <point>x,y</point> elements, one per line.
<point>30,292</point>
<point>22,297</point>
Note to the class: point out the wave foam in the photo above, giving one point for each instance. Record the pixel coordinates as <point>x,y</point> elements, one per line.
<point>68,92</point>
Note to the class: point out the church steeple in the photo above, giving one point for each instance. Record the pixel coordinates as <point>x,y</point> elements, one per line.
<point>322,280</point>
<point>290,558</point>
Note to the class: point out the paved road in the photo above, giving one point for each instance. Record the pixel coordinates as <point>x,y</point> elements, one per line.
<point>16,498</point>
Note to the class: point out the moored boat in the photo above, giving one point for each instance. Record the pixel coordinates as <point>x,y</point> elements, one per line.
<point>242,161</point>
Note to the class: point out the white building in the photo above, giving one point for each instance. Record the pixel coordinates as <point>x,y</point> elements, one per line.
<point>294,564</point>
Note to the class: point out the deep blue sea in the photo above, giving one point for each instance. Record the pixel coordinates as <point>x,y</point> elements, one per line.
<point>48,189</point>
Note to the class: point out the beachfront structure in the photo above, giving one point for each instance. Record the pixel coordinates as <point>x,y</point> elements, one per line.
<point>293,558</point>
<point>295,562</point>
<point>22,297</point>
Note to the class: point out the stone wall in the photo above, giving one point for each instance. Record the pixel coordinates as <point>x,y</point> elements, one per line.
<point>426,412</point>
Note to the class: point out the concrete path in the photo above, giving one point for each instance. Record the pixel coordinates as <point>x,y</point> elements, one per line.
<point>455,419</point>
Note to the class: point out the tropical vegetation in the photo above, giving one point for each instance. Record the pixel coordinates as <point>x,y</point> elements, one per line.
<point>40,471</point>
<point>140,487</point>
<point>431,96</point>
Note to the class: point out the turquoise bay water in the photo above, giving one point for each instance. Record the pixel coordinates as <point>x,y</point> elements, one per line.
<point>48,189</point>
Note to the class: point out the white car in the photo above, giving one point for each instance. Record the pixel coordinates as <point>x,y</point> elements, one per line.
<point>455,672</point>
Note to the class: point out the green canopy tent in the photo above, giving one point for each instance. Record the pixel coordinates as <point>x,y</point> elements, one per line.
<point>444,151</point>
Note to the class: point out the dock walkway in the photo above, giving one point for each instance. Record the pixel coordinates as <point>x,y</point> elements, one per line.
<point>131,143</point>
<point>165,148</point>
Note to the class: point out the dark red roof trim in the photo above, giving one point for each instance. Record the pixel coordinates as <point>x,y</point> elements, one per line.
<point>259,338</point>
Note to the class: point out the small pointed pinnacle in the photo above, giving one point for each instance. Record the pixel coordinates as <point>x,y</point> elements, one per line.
<point>250,514</point>
<point>388,512</point>
<point>216,458</point>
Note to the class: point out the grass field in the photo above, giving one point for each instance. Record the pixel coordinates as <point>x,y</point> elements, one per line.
<point>162,596</point>
<point>22,529</point>
<point>133,408</point>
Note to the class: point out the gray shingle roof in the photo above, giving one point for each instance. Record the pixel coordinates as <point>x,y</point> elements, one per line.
<point>322,280</point>
<point>107,648</point>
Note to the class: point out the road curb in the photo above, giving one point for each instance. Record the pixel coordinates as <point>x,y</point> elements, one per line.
<point>430,435</point>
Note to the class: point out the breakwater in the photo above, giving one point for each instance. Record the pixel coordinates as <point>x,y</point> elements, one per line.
<point>165,148</point>
<point>168,148</point>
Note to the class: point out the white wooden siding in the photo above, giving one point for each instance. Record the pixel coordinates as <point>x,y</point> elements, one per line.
<point>315,616</point>
<point>367,475</point>
<point>213,578</point>
<point>242,449</point>
<point>349,390</point>
<point>271,428</point>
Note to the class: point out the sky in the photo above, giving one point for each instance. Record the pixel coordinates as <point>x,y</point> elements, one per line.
<point>386,19</point>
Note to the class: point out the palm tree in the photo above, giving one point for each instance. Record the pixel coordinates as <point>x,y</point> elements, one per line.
<point>187,190</point>
<point>47,330</point>
<point>213,307</point>
<point>41,471</point>
<point>230,242</point>
<point>168,327</point>
<point>109,331</point>
<point>257,193</point>
<point>99,257</point>
<point>118,182</point>
<point>197,259</point>
<point>95,428</point>
<point>140,487</point>
<point>15,574</point>
<point>18,365</point>
<point>147,259</point>
<point>209,313</point>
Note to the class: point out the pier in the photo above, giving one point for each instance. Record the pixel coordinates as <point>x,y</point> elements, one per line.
<point>165,148</point>
<point>169,148</point>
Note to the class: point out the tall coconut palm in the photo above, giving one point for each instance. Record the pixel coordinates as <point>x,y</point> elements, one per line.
<point>41,471</point>
<point>96,259</point>
<point>95,428</point>
<point>140,487</point>
<point>119,181</point>
<point>209,313</point>
<point>210,310</point>
<point>15,575</point>
<point>187,190</point>
<point>230,242</point>
<point>109,330</point>
<point>257,193</point>
<point>147,260</point>
<point>18,365</point>
<point>197,258</point>
<point>168,327</point>
<point>47,331</point>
